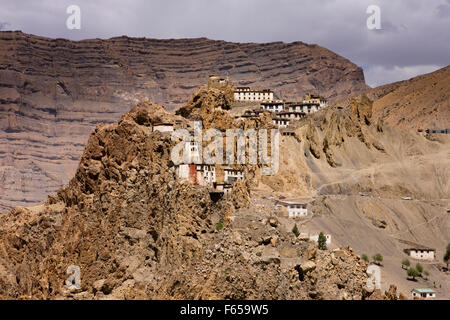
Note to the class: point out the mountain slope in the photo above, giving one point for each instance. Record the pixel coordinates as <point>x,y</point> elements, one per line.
<point>357,170</point>
<point>419,103</point>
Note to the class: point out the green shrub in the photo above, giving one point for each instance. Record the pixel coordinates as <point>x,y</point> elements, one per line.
<point>377,258</point>
<point>412,272</point>
<point>365,257</point>
<point>447,255</point>
<point>406,263</point>
<point>419,268</point>
<point>219,226</point>
<point>295,230</point>
<point>322,242</point>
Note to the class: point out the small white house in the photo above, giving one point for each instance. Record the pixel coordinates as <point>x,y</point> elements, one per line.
<point>294,208</point>
<point>232,175</point>
<point>421,253</point>
<point>226,188</point>
<point>247,94</point>
<point>295,115</point>
<point>163,127</point>
<point>316,238</point>
<point>206,174</point>
<point>424,293</point>
<point>280,122</point>
<point>273,106</point>
<point>201,174</point>
<point>182,171</point>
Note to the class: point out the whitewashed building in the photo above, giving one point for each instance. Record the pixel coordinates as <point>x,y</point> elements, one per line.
<point>226,188</point>
<point>232,175</point>
<point>280,122</point>
<point>206,174</point>
<point>423,293</point>
<point>303,107</point>
<point>273,106</point>
<point>182,171</point>
<point>201,174</point>
<point>313,99</point>
<point>294,115</point>
<point>163,127</point>
<point>294,208</point>
<point>247,94</point>
<point>421,253</point>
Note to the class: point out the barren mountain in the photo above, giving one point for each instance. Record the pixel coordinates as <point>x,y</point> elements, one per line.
<point>54,91</point>
<point>419,103</point>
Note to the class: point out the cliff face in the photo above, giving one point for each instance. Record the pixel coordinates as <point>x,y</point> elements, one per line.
<point>54,91</point>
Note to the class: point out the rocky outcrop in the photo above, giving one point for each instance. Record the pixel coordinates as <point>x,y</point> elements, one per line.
<point>54,91</point>
<point>331,128</point>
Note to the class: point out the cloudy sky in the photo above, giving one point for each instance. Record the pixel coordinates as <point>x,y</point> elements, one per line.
<point>414,37</point>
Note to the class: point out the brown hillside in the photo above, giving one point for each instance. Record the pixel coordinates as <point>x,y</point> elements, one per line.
<point>419,103</point>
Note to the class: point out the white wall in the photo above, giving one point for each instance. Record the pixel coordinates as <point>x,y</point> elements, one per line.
<point>297,211</point>
<point>253,96</point>
<point>233,174</point>
<point>182,171</point>
<point>427,295</point>
<point>422,254</point>
<point>163,128</point>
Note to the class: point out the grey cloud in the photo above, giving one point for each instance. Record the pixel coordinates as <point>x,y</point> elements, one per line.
<point>443,10</point>
<point>3,25</point>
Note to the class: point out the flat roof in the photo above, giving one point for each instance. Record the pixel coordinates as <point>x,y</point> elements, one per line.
<point>163,124</point>
<point>288,202</point>
<point>273,102</point>
<point>420,248</point>
<point>253,90</point>
<point>291,112</point>
<point>423,290</point>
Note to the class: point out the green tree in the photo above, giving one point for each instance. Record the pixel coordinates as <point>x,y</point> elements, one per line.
<point>365,257</point>
<point>377,258</point>
<point>295,230</point>
<point>405,263</point>
<point>419,268</point>
<point>322,242</point>
<point>412,272</point>
<point>447,255</point>
<point>426,274</point>
<point>219,226</point>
